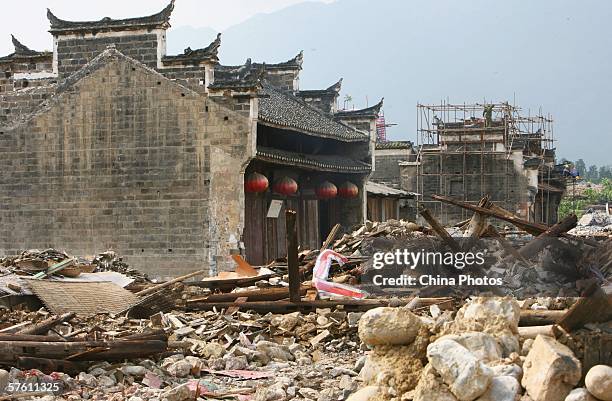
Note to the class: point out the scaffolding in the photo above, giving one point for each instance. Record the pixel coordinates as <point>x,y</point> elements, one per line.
<point>467,151</point>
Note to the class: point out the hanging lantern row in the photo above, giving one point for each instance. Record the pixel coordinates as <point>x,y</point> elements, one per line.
<point>257,182</point>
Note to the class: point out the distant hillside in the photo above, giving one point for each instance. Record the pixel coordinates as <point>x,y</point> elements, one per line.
<point>551,53</point>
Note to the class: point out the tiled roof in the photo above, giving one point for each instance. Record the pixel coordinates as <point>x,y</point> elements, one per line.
<point>23,52</point>
<point>332,163</point>
<point>283,110</point>
<point>250,74</point>
<point>294,63</point>
<point>393,145</point>
<point>156,20</point>
<point>209,52</point>
<point>369,112</point>
<point>333,90</point>
<point>245,76</point>
<point>380,189</point>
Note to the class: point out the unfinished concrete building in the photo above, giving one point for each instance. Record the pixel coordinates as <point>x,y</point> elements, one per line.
<point>469,151</point>
<point>109,143</point>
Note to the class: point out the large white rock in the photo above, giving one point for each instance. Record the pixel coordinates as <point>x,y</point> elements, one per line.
<point>485,312</point>
<point>466,376</point>
<point>4,379</point>
<point>482,345</point>
<point>599,382</point>
<point>388,326</point>
<point>364,394</point>
<point>502,388</point>
<point>580,394</point>
<point>550,370</point>
<point>512,369</point>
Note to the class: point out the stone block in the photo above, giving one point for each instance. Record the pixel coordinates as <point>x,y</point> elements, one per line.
<point>550,370</point>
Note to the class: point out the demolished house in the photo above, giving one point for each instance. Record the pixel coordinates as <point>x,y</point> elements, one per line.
<point>172,160</point>
<point>468,151</point>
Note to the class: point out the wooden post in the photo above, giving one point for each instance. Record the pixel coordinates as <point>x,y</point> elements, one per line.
<point>478,222</point>
<point>437,227</point>
<point>292,256</point>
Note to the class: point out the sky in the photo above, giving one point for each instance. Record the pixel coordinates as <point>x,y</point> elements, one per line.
<point>553,55</point>
<point>218,15</point>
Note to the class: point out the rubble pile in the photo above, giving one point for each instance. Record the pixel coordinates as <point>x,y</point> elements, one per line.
<point>49,262</point>
<point>594,224</point>
<point>349,244</point>
<point>480,354</point>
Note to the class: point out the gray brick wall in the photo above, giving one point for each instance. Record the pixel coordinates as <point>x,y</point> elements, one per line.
<point>459,176</point>
<point>72,54</point>
<point>126,160</point>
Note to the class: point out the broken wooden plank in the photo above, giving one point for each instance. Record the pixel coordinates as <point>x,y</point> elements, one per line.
<point>532,228</point>
<point>28,337</point>
<point>263,294</point>
<point>288,306</point>
<point>536,244</point>
<point>502,214</point>
<point>477,224</point>
<point>439,229</point>
<point>117,350</point>
<point>594,307</point>
<point>170,282</point>
<point>235,307</point>
<point>44,326</point>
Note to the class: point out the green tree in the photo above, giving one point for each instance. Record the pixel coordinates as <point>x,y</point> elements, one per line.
<point>592,175</point>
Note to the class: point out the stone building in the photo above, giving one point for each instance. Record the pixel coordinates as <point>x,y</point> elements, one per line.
<point>469,151</point>
<point>388,156</point>
<point>107,142</point>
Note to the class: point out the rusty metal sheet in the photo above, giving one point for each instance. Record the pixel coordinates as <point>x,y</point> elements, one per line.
<point>83,298</point>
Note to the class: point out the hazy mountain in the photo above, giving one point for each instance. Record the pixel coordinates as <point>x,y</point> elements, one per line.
<point>554,54</point>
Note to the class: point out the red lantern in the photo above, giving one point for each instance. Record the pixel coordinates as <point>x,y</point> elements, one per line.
<point>285,186</point>
<point>256,182</point>
<point>326,190</point>
<point>348,190</point>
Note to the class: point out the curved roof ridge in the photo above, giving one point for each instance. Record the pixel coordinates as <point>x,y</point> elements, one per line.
<point>160,18</point>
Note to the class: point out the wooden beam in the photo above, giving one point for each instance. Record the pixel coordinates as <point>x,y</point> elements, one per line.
<point>594,307</point>
<point>536,244</point>
<point>117,350</point>
<point>532,228</point>
<point>293,265</point>
<point>439,229</point>
<point>530,317</point>
<point>478,222</point>
<point>158,287</point>
<point>44,326</point>
<point>502,214</point>
<point>263,294</point>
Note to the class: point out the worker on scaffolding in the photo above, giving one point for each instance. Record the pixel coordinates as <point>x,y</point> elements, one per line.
<point>487,113</point>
